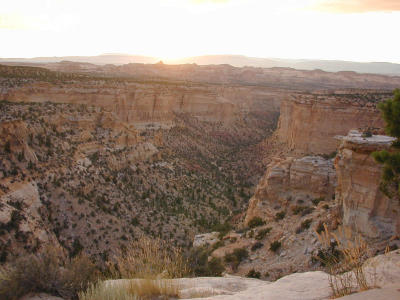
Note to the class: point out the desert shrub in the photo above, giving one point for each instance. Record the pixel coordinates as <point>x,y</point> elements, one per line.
<point>280,215</point>
<point>307,211</point>
<point>236,257</point>
<point>317,200</point>
<point>256,246</point>
<point>49,272</point>
<point>150,257</point>
<point>216,266</point>
<point>7,147</point>
<point>298,209</point>
<point>275,245</point>
<point>201,266</point>
<point>330,155</point>
<point>218,244</point>
<point>262,233</point>
<point>253,274</point>
<point>255,222</point>
<point>306,224</point>
<point>223,229</point>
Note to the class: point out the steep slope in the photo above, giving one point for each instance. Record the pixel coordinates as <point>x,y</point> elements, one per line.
<point>309,123</point>
<point>365,207</point>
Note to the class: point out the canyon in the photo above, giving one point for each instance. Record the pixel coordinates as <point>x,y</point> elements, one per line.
<point>95,156</point>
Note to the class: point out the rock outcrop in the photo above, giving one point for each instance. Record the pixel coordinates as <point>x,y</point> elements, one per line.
<point>381,271</point>
<point>309,123</point>
<point>156,104</point>
<point>21,221</point>
<point>292,180</point>
<point>365,207</point>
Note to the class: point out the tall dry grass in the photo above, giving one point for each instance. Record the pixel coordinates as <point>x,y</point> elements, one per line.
<point>151,259</point>
<point>149,266</point>
<point>343,256</point>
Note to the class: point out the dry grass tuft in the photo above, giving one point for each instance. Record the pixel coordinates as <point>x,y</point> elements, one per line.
<point>136,289</point>
<point>151,259</point>
<point>150,289</point>
<point>343,256</point>
<point>103,291</point>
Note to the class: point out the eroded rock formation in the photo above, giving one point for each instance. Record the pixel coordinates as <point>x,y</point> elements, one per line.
<point>365,208</point>
<point>144,103</point>
<point>309,123</point>
<point>289,181</point>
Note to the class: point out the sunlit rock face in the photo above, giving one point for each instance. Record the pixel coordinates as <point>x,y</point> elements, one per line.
<point>290,180</point>
<point>309,123</point>
<point>143,103</point>
<point>365,208</point>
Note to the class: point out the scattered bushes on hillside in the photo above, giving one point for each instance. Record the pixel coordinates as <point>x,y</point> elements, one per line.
<point>256,222</point>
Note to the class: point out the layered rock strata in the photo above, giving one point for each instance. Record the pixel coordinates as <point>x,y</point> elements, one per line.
<point>365,207</point>
<point>292,180</point>
<point>309,123</point>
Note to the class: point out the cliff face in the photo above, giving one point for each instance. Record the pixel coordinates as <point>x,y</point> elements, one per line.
<point>142,103</point>
<point>289,182</point>
<point>309,123</point>
<point>365,208</point>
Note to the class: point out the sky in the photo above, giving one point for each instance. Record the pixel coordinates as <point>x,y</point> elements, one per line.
<point>354,30</point>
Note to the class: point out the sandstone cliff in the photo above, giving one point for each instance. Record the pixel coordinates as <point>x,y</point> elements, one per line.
<point>309,123</point>
<point>365,208</point>
<point>146,103</point>
<point>289,182</point>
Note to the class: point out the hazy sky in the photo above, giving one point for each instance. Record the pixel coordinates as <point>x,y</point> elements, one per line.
<point>359,30</point>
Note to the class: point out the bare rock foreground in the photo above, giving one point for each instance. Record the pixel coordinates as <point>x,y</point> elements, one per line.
<point>383,272</point>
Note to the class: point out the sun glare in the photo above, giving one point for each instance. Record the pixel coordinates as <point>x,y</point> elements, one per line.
<point>172,29</point>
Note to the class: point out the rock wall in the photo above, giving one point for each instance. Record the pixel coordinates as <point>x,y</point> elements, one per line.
<point>289,181</point>
<point>365,208</point>
<point>141,103</point>
<point>309,123</point>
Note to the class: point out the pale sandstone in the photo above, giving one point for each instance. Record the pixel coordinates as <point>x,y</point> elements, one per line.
<point>365,208</point>
<point>308,124</point>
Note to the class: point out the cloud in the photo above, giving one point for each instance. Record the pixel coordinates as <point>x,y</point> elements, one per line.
<point>357,6</point>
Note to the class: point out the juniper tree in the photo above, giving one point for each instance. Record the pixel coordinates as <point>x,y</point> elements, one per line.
<point>390,184</point>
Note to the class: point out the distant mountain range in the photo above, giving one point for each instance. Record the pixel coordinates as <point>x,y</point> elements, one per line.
<point>234,60</point>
